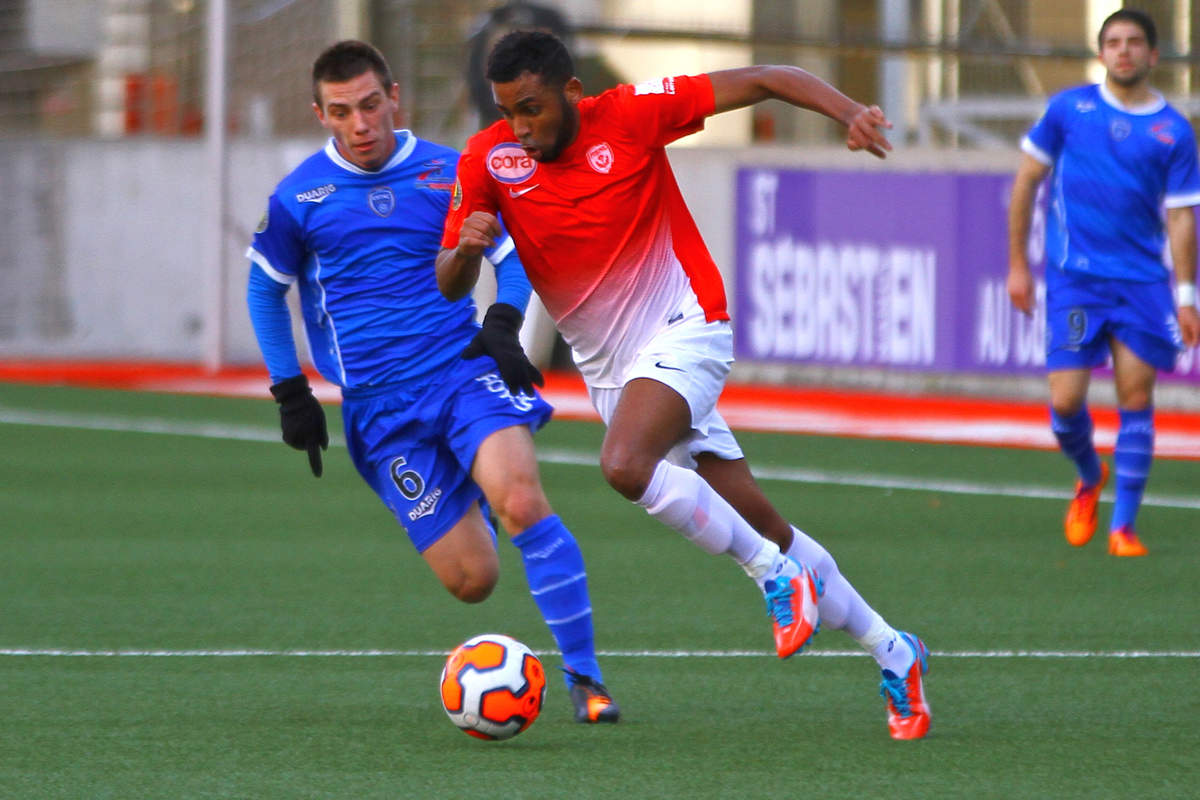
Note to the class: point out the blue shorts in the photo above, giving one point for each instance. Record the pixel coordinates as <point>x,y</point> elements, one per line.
<point>1083,312</point>
<point>416,453</point>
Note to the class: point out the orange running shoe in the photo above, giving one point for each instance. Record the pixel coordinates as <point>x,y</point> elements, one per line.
<point>791,595</point>
<point>591,699</point>
<point>1081,514</point>
<point>1125,542</point>
<point>908,713</point>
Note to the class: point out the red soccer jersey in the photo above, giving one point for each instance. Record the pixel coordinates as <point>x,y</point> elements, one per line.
<point>603,231</point>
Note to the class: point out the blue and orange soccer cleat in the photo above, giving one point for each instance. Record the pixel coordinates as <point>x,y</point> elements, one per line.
<point>1125,542</point>
<point>908,712</point>
<point>791,596</point>
<point>591,699</point>
<point>1080,523</point>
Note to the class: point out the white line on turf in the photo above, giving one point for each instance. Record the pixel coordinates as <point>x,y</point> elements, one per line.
<point>252,653</point>
<point>213,430</point>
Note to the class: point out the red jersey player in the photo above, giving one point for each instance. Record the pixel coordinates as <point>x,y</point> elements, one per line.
<point>586,192</point>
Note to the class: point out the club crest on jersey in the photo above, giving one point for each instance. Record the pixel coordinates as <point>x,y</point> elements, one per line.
<point>316,195</point>
<point>600,158</point>
<point>508,163</point>
<point>1120,129</point>
<point>381,200</point>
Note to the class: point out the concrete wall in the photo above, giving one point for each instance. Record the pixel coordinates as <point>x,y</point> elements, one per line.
<point>100,247</point>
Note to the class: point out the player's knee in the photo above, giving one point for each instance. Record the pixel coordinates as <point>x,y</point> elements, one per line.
<point>474,586</point>
<point>522,508</point>
<point>1066,406</point>
<point>473,579</point>
<point>627,476</point>
<point>1135,400</point>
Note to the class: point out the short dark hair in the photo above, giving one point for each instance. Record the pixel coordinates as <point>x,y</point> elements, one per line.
<point>536,52</point>
<point>1139,18</point>
<point>347,60</point>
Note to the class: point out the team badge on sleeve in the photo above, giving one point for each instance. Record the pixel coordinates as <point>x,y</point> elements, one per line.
<point>456,196</point>
<point>262,223</point>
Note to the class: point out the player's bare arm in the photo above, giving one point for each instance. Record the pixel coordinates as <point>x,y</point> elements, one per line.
<point>1181,237</point>
<point>1030,173</point>
<point>458,267</point>
<point>737,88</point>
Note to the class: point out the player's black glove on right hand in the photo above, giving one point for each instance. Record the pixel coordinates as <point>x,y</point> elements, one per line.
<point>302,419</point>
<point>498,339</point>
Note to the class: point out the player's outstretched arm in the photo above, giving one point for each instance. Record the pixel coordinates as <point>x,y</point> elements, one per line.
<point>1181,237</point>
<point>458,267</point>
<point>1020,215</point>
<point>744,86</point>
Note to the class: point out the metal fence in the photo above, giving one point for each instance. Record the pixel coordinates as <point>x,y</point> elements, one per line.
<point>953,73</point>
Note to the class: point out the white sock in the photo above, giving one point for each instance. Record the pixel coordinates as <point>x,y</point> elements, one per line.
<point>842,607</point>
<point>763,562</point>
<point>680,499</point>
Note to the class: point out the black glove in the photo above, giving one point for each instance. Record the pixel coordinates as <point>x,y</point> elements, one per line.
<point>498,339</point>
<point>302,419</point>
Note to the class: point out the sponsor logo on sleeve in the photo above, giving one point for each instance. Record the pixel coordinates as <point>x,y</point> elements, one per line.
<point>262,223</point>
<point>381,200</point>
<point>508,163</point>
<point>316,195</point>
<point>456,196</point>
<point>600,158</point>
<point>656,86</point>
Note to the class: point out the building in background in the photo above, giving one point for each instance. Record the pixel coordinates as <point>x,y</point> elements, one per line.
<point>958,73</point>
<point>123,224</point>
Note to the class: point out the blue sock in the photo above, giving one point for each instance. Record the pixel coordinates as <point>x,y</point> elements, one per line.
<point>1074,436</point>
<point>1132,457</point>
<point>558,582</point>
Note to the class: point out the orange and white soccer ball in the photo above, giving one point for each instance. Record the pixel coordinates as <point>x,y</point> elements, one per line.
<point>493,686</point>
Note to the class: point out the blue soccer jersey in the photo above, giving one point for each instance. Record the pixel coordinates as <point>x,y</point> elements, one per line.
<point>360,246</point>
<point>1115,169</point>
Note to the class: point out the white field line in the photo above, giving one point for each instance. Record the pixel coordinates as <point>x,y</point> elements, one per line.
<point>214,430</point>
<point>253,653</point>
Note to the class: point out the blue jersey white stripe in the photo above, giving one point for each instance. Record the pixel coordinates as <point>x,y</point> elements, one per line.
<point>360,246</point>
<point>1115,168</point>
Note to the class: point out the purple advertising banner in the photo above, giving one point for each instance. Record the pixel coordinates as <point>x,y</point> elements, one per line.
<point>896,270</point>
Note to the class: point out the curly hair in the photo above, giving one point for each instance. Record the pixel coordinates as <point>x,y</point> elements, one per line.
<point>536,52</point>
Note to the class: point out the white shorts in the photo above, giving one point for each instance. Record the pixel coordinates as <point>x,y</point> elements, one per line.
<point>693,357</point>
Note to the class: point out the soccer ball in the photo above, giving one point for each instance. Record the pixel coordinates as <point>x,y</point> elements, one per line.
<point>492,686</point>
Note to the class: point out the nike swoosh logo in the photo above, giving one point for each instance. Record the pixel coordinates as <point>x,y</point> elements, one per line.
<point>514,193</point>
<point>661,365</point>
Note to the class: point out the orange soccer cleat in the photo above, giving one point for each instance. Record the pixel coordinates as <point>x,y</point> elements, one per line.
<point>791,596</point>
<point>592,701</point>
<point>908,713</point>
<point>1125,542</point>
<point>1080,524</point>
